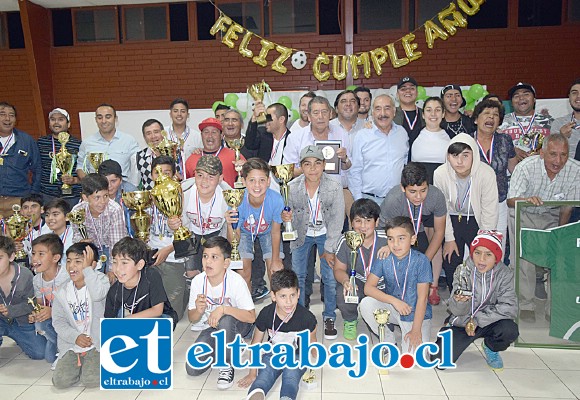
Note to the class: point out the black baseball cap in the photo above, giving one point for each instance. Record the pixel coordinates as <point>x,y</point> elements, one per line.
<point>407,79</point>
<point>521,85</point>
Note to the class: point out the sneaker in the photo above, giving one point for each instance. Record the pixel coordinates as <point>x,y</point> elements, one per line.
<point>493,358</point>
<point>349,331</point>
<point>225,378</point>
<point>53,365</point>
<point>330,331</point>
<point>528,316</point>
<point>434,298</point>
<point>259,293</point>
<point>256,394</point>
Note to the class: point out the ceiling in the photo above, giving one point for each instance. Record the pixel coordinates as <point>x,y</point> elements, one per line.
<point>12,5</point>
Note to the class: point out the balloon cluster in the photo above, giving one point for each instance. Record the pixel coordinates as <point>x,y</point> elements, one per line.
<point>472,95</point>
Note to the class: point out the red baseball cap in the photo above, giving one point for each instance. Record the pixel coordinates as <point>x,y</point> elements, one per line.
<point>210,122</point>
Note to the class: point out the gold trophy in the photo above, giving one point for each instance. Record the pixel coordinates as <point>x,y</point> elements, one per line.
<point>284,173</point>
<point>257,91</point>
<point>18,227</point>
<point>234,198</point>
<point>354,241</point>
<point>309,380</point>
<point>382,317</point>
<point>63,160</point>
<point>96,159</point>
<point>35,309</point>
<point>236,145</point>
<point>167,195</point>
<point>166,147</point>
<point>140,221</point>
<point>463,276</point>
<point>77,217</point>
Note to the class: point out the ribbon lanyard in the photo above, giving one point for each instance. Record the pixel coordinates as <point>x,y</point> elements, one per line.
<point>416,221</point>
<point>64,235</point>
<point>98,232</point>
<point>255,235</point>
<point>525,131</point>
<point>199,216</point>
<point>483,300</point>
<point>406,274</point>
<point>314,210</point>
<point>133,304</point>
<point>211,300</point>
<point>45,301</point>
<point>6,146</point>
<point>411,124</point>
<point>286,319</point>
<point>461,203</point>
<point>31,233</point>
<point>483,153</point>
<point>159,220</point>
<point>367,266</point>
<point>13,289</point>
<point>275,149</point>
<point>216,154</point>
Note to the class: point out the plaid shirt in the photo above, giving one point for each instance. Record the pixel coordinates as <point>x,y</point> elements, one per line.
<point>106,229</point>
<point>531,179</point>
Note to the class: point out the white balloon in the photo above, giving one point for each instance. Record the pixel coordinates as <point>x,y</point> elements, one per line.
<point>299,60</point>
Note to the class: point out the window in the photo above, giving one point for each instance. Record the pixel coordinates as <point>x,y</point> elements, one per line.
<point>574,10</point>
<point>428,9</point>
<point>15,33</point>
<point>379,15</point>
<point>62,31</point>
<point>247,14</point>
<point>539,13</point>
<point>96,25</point>
<point>293,16</point>
<point>205,18</point>
<point>3,31</point>
<point>178,22</point>
<point>145,23</point>
<point>492,14</point>
<point>329,17</point>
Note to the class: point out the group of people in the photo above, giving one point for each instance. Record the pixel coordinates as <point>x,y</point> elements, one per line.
<point>422,186</point>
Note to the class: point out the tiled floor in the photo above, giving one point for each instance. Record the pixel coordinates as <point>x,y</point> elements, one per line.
<point>528,373</point>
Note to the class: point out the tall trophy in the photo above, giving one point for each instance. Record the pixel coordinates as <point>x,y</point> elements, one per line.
<point>167,147</point>
<point>96,159</point>
<point>236,145</point>
<point>63,161</point>
<point>463,276</point>
<point>284,173</point>
<point>382,317</point>
<point>354,241</point>
<point>36,308</point>
<point>140,221</point>
<point>77,217</point>
<point>167,195</point>
<point>17,227</point>
<point>257,91</point>
<point>234,198</point>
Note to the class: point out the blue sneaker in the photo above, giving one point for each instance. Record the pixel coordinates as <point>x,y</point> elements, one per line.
<point>492,358</point>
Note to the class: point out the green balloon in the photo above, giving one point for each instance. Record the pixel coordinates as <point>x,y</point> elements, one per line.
<point>470,105</point>
<point>295,115</point>
<point>286,101</point>
<point>231,99</point>
<point>485,93</point>
<point>243,114</point>
<point>216,104</point>
<point>465,93</point>
<point>476,91</point>
<point>351,87</point>
<point>421,93</point>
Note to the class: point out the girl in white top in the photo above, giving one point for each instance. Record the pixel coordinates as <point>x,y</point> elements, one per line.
<point>430,147</point>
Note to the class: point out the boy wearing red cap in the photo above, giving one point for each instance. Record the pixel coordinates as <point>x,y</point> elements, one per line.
<point>212,138</point>
<point>489,311</point>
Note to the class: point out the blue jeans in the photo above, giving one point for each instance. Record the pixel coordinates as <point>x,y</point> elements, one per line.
<point>25,336</point>
<point>267,378</point>
<point>300,264</point>
<point>50,334</point>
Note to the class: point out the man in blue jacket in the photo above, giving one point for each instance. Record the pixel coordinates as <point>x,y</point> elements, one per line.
<point>20,166</point>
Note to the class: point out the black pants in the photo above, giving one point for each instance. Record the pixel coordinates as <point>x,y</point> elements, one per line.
<point>464,232</point>
<point>497,337</point>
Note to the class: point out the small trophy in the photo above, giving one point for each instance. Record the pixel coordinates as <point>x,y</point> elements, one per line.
<point>236,145</point>
<point>309,380</point>
<point>284,173</point>
<point>96,159</point>
<point>18,227</point>
<point>35,309</point>
<point>354,241</point>
<point>463,276</point>
<point>63,161</point>
<point>77,217</point>
<point>234,198</point>
<point>166,147</point>
<point>167,195</point>
<point>140,221</point>
<point>531,142</point>
<point>257,91</point>
<point>382,317</point>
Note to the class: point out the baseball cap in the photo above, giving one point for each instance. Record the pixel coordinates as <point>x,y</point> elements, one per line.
<point>521,85</point>
<point>210,122</point>
<point>110,167</point>
<point>59,111</point>
<point>407,79</point>
<point>491,240</point>
<point>454,87</point>
<point>311,151</point>
<point>210,164</point>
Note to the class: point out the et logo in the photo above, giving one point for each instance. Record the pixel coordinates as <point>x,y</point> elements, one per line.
<point>136,353</point>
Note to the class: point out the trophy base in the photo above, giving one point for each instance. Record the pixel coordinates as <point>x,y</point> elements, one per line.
<point>150,260</point>
<point>239,185</point>
<point>351,299</point>
<point>237,264</point>
<point>185,248</point>
<point>66,190</point>
<point>21,255</point>
<point>289,236</point>
<point>261,118</point>
<point>308,381</point>
<point>460,292</point>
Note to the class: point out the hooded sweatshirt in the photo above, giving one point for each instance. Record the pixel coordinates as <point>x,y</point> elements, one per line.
<point>484,197</point>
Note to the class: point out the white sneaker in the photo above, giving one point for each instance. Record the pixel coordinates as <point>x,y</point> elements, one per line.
<point>53,366</point>
<point>256,394</point>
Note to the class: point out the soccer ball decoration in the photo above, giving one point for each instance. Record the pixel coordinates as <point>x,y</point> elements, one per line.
<point>299,60</point>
